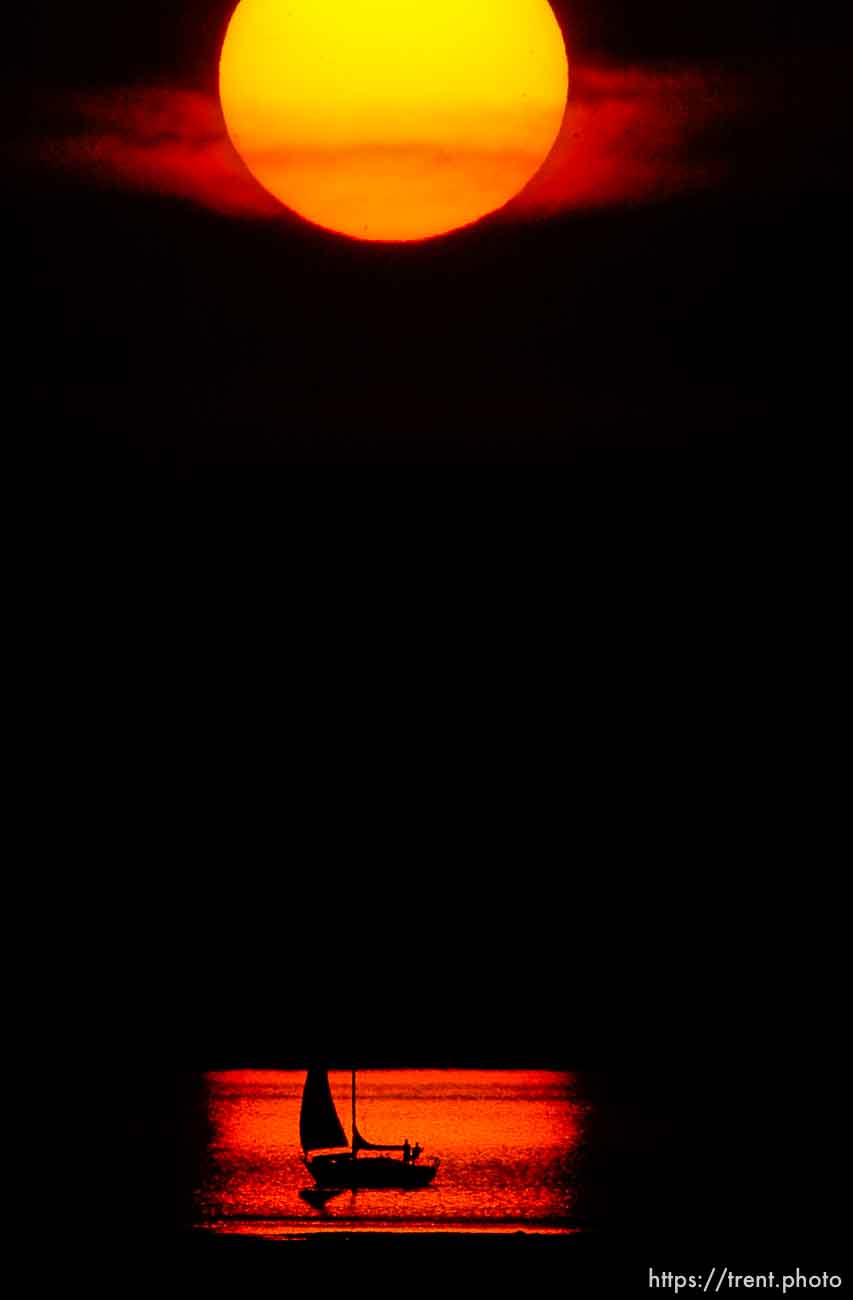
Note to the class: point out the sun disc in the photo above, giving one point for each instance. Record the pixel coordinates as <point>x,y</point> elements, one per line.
<point>393,119</point>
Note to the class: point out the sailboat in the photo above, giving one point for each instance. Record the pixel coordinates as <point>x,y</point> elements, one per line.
<point>332,1161</point>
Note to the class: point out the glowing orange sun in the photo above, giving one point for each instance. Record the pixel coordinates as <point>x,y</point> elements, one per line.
<point>393,119</point>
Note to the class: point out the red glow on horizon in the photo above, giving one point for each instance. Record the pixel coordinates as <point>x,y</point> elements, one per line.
<point>629,135</point>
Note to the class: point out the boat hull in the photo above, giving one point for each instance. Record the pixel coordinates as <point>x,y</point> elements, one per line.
<point>367,1171</point>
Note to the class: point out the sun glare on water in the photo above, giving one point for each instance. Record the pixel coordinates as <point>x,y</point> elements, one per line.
<point>393,119</point>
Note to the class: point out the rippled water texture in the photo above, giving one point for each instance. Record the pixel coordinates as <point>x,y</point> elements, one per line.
<point>507,1141</point>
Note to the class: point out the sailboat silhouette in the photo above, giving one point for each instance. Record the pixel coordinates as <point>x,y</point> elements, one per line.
<point>332,1161</point>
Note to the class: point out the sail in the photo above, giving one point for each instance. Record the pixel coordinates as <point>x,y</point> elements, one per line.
<point>360,1143</point>
<point>319,1125</point>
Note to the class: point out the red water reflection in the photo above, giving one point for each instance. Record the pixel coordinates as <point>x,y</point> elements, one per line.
<point>506,1141</point>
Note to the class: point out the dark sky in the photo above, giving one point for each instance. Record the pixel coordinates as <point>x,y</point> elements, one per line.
<point>389,891</point>
<point>99,43</point>
<point>666,312</point>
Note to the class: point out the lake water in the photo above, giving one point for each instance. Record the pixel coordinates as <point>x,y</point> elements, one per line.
<point>507,1141</point>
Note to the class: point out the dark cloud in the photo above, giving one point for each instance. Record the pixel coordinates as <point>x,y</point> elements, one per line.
<point>167,141</point>
<point>744,126</point>
<point>632,134</point>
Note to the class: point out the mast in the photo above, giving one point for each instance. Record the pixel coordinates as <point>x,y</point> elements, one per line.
<point>354,1130</point>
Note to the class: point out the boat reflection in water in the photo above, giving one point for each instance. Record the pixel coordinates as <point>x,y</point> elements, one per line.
<point>508,1141</point>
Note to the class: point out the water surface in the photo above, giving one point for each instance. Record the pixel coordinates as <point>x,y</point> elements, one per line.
<point>507,1141</point>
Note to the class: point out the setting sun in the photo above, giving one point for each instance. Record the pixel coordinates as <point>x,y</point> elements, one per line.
<point>393,119</point>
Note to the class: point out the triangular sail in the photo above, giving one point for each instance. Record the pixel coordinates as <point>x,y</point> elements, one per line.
<point>360,1143</point>
<point>319,1125</point>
